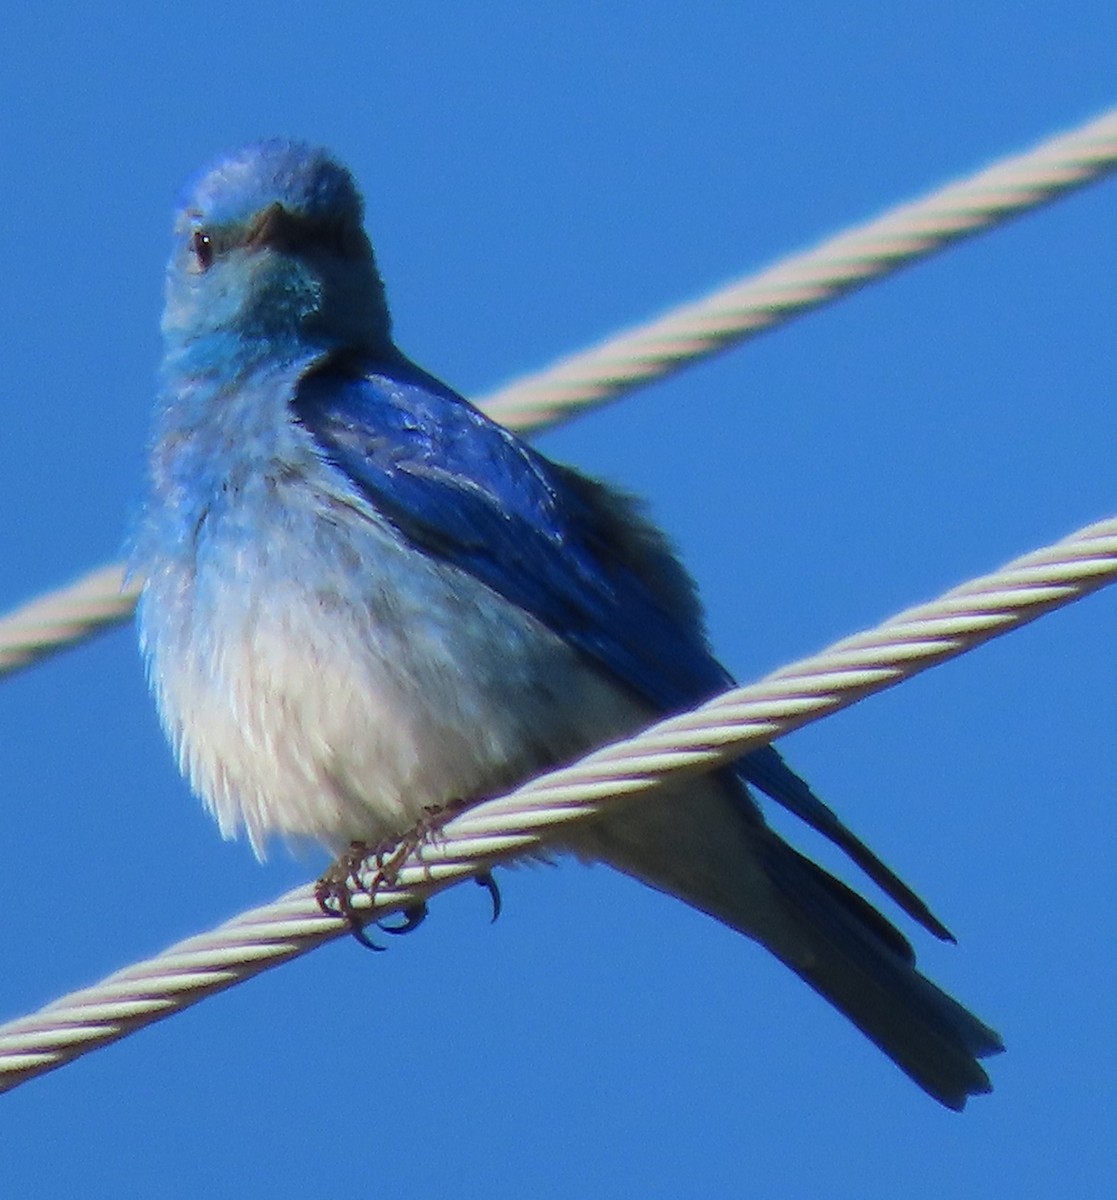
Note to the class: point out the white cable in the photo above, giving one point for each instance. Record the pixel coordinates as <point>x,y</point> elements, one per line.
<point>742,309</point>
<point>70,614</point>
<point>805,281</point>
<point>717,732</point>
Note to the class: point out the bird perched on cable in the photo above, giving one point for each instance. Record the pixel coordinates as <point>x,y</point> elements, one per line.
<point>363,599</point>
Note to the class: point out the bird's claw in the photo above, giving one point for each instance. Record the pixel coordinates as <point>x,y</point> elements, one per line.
<point>486,880</point>
<point>343,880</point>
<point>337,887</point>
<point>413,917</point>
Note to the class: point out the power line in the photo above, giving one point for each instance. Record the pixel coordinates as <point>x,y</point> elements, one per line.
<point>715,733</point>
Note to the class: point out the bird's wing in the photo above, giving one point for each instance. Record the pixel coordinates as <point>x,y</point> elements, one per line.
<point>572,553</point>
<point>469,492</point>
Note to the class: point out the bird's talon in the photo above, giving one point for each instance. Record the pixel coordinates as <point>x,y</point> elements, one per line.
<point>362,936</point>
<point>413,917</point>
<point>486,880</point>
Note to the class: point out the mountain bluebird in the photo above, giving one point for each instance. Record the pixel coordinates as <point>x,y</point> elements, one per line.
<point>363,599</point>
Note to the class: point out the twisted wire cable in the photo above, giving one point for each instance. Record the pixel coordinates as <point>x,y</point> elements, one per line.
<point>70,614</point>
<point>738,311</point>
<point>801,282</point>
<point>715,733</point>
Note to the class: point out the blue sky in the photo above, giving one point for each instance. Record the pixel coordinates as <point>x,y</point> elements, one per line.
<point>536,177</point>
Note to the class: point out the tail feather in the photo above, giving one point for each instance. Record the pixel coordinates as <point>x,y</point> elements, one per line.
<point>766,769</point>
<point>833,944</point>
<point>714,851</point>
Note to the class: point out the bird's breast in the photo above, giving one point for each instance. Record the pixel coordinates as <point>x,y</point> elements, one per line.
<point>322,678</point>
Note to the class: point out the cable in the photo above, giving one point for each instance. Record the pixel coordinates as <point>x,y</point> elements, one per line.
<point>715,733</point>
<point>742,309</point>
<point>70,614</point>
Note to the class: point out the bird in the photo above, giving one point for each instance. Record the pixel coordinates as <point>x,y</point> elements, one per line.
<point>363,600</point>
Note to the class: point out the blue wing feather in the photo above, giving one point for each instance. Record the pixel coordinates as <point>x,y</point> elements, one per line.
<point>470,492</point>
<point>463,488</point>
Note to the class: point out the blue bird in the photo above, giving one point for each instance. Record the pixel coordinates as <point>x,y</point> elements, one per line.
<point>362,599</point>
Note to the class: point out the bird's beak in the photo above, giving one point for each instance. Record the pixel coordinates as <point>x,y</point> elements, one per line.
<point>292,233</point>
<point>278,228</point>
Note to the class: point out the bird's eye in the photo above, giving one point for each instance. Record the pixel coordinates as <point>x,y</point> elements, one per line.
<point>202,245</point>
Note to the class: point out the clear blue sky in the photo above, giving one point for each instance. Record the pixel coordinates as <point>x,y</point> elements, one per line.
<point>537,176</point>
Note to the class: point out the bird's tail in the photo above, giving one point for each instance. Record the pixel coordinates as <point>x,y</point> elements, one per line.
<point>726,862</point>
<point>839,944</point>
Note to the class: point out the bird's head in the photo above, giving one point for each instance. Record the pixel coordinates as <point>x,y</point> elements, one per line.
<point>270,254</point>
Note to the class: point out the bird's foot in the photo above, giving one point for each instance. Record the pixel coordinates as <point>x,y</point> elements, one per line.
<point>429,829</point>
<point>434,817</point>
<point>344,880</point>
